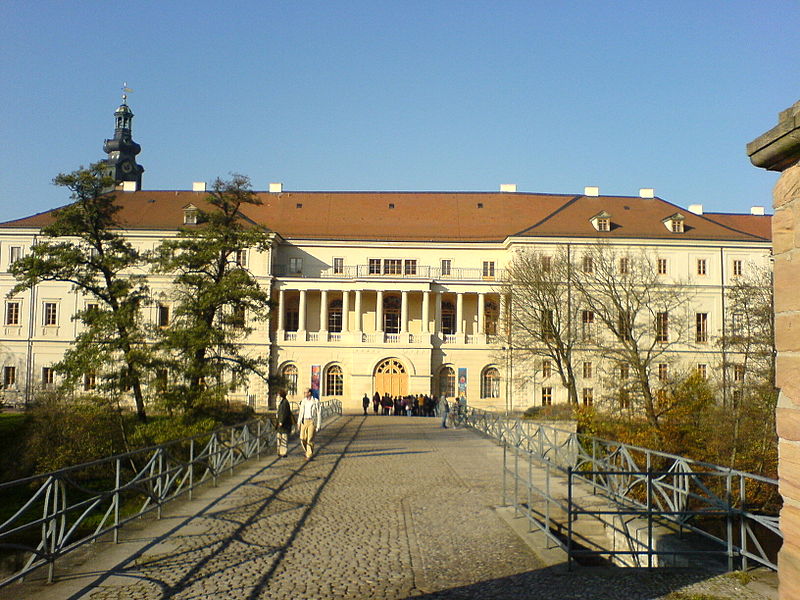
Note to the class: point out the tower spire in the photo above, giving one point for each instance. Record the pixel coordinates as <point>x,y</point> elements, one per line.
<point>121,149</point>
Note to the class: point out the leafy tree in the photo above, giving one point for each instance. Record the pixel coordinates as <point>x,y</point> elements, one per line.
<point>542,314</point>
<point>216,297</point>
<point>84,246</point>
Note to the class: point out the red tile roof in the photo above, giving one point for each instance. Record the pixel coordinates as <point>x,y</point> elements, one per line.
<point>438,216</point>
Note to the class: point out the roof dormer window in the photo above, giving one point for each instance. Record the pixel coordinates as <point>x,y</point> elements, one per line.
<point>674,223</point>
<point>190,215</point>
<point>601,221</point>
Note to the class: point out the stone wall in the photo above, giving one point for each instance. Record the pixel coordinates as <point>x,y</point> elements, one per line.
<point>779,150</point>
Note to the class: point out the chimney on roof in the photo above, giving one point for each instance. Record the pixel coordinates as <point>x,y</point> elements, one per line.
<point>275,188</point>
<point>647,193</point>
<point>696,209</point>
<point>508,187</point>
<point>757,210</point>
<point>591,190</point>
<point>198,186</point>
<point>129,186</point>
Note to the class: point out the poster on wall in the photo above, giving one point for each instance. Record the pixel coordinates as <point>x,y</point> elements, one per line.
<point>462,382</point>
<point>315,372</point>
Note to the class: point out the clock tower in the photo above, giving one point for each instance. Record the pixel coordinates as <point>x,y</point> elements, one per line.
<point>121,149</point>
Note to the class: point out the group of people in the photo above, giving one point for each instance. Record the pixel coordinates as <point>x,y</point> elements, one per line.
<point>308,422</point>
<point>420,405</point>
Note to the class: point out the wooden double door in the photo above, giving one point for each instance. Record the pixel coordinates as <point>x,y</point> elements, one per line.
<point>391,378</point>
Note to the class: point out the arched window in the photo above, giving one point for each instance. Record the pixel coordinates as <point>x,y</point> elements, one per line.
<point>447,382</point>
<point>448,318</point>
<point>490,383</point>
<point>289,374</point>
<point>391,314</point>
<point>335,316</point>
<point>334,381</point>
<point>490,314</point>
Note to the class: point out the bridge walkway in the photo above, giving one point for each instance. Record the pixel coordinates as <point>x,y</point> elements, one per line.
<point>390,507</point>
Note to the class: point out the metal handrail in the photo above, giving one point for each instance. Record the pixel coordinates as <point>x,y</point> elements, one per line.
<point>638,481</point>
<point>76,505</point>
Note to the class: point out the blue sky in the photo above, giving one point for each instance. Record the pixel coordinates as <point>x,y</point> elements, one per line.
<point>404,95</point>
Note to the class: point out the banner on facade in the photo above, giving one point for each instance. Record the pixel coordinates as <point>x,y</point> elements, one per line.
<point>462,382</point>
<point>315,374</point>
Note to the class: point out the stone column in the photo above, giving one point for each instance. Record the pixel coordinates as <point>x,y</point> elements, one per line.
<point>481,311</point>
<point>403,311</point>
<point>459,313</point>
<point>345,311</point>
<point>323,313</point>
<point>301,316</point>
<point>357,310</point>
<point>281,313</point>
<point>437,315</point>
<point>779,150</point>
<point>379,311</point>
<point>426,297</point>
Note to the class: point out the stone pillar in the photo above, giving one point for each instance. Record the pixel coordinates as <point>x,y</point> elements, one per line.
<point>426,297</point>
<point>379,311</point>
<point>460,316</point>
<point>345,311</point>
<point>403,311</point>
<point>301,314</point>
<point>437,315</point>
<point>281,312</point>
<point>481,311</point>
<point>323,312</point>
<point>779,150</point>
<point>357,310</point>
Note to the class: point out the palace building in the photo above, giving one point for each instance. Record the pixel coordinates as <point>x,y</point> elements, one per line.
<point>394,292</point>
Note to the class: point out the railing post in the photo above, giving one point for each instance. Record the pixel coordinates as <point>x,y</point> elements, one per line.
<point>547,501</point>
<point>530,482</point>
<point>117,478</point>
<point>505,473</point>
<point>516,479</point>
<point>569,518</point>
<point>729,519</point>
<point>191,468</point>
<point>742,524</point>
<point>213,456</point>
<point>594,465</point>
<point>258,439</point>
<point>649,518</point>
<point>159,480</point>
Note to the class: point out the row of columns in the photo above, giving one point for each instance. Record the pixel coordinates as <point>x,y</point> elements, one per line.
<point>323,311</point>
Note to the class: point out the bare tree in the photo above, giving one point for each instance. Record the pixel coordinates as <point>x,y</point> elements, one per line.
<point>642,312</point>
<point>540,314</point>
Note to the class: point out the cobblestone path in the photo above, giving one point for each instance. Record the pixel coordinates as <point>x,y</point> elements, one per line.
<point>390,507</point>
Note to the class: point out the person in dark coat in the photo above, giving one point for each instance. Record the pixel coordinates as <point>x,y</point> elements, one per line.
<point>365,404</point>
<point>376,401</point>
<point>285,422</point>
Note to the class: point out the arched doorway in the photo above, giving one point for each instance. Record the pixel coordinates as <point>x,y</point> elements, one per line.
<point>391,378</point>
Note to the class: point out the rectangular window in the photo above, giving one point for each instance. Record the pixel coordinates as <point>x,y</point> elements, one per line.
<point>14,254</point>
<point>737,268</point>
<point>547,263</point>
<point>161,379</point>
<point>737,319</point>
<point>738,397</point>
<point>296,265</point>
<point>702,370</point>
<point>624,324</point>
<point>624,265</point>
<point>446,266</point>
<point>624,399</point>
<point>488,269</point>
<point>603,224</point>
<point>12,313</point>
<point>241,258</point>
<point>588,264</point>
<point>89,381</point>
<point>587,370</point>
<point>48,376</point>
<point>9,377</point>
<point>547,396</point>
<point>49,314</point>
<point>662,266</point>
<point>663,371</point>
<point>239,317</point>
<point>163,315</point>
<point>588,396</point>
<point>338,266</point>
<point>587,324</point>
<point>738,373</point>
<point>392,266</point>
<point>624,371</point>
<point>410,267</point>
<point>701,266</point>
<point>701,328</point>
<point>547,369</point>
<point>292,319</point>
<point>662,327</point>
<point>374,266</point>
<point>548,327</point>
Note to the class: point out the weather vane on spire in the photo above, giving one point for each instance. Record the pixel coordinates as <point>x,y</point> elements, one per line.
<point>125,91</point>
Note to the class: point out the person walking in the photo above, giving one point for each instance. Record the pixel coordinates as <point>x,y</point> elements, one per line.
<point>376,400</point>
<point>308,417</point>
<point>444,409</point>
<point>365,404</point>
<point>285,424</point>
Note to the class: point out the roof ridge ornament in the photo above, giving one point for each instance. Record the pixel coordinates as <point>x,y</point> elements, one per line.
<point>125,91</point>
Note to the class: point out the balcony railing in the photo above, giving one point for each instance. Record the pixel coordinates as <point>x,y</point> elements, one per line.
<point>419,272</point>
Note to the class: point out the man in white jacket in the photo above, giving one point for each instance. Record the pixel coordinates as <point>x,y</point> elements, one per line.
<point>308,418</point>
